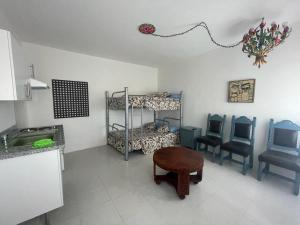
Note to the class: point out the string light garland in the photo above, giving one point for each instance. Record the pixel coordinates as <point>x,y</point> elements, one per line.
<point>257,42</point>
<point>147,28</point>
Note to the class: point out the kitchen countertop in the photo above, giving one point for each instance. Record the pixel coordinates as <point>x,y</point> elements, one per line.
<point>17,151</point>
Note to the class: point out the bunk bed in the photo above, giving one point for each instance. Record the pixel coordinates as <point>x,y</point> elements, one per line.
<point>147,137</point>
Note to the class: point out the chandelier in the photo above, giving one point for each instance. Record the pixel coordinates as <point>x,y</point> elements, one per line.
<point>257,42</point>
<point>260,41</point>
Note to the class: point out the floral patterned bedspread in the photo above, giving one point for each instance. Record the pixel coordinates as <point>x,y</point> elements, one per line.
<point>147,140</point>
<point>151,102</point>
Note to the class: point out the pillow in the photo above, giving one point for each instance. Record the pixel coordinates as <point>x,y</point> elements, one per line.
<point>174,96</point>
<point>163,129</point>
<point>149,126</point>
<point>159,124</point>
<point>159,94</point>
<point>173,129</point>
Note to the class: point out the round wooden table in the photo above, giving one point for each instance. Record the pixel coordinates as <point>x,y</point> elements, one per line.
<point>180,162</point>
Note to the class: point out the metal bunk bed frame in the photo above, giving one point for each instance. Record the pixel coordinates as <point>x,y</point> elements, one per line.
<point>116,126</point>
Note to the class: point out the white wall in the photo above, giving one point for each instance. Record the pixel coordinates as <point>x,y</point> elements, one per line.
<point>101,75</point>
<point>204,81</point>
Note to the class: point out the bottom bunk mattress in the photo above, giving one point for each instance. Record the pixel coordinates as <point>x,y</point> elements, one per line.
<point>148,141</point>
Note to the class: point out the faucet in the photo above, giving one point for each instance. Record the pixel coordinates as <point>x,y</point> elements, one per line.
<point>4,140</point>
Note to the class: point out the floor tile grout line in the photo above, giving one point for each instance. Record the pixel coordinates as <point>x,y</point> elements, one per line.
<point>111,199</point>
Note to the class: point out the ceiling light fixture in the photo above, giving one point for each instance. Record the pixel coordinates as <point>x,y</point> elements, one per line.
<point>257,42</point>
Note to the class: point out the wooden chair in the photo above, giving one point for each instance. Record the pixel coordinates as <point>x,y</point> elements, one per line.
<point>241,142</point>
<point>283,150</point>
<point>214,133</point>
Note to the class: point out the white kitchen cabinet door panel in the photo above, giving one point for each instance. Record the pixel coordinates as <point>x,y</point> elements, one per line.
<point>7,92</point>
<point>30,186</point>
<point>20,69</point>
<point>13,69</point>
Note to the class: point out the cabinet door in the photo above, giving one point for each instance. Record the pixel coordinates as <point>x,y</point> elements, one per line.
<point>20,70</point>
<point>14,72</point>
<point>30,186</point>
<point>7,84</point>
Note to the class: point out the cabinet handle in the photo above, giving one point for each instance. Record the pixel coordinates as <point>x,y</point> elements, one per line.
<point>28,90</point>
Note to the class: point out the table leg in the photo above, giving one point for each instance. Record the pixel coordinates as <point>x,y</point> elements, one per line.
<point>157,181</point>
<point>47,222</point>
<point>197,178</point>
<point>183,184</point>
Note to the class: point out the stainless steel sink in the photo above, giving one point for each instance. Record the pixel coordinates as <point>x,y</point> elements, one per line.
<point>28,140</point>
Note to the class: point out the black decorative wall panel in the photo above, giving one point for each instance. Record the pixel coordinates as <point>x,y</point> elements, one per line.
<point>70,99</point>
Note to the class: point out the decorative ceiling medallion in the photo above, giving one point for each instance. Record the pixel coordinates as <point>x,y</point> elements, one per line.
<point>257,42</point>
<point>147,28</point>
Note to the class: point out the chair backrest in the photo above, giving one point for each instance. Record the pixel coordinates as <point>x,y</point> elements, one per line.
<point>243,129</point>
<point>283,135</point>
<point>215,125</point>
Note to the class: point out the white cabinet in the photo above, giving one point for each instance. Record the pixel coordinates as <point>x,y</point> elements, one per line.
<point>31,185</point>
<point>14,73</point>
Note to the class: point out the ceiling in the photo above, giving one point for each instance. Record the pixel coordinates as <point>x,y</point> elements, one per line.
<point>109,28</point>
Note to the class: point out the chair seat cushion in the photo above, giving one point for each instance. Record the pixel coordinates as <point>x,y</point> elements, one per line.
<point>281,159</point>
<point>210,140</point>
<point>236,147</point>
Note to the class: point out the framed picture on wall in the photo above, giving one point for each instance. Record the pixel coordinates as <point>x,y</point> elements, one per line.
<point>241,91</point>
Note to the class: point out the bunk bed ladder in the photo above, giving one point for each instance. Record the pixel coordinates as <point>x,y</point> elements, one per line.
<point>107,115</point>
<point>126,123</point>
<point>131,122</point>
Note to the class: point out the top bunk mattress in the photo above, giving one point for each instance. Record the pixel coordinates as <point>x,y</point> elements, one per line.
<point>151,102</point>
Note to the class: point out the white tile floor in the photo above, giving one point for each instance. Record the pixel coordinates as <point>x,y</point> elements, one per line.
<point>101,188</point>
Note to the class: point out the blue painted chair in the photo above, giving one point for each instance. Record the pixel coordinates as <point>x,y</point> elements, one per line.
<point>283,150</point>
<point>214,133</point>
<point>241,142</point>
